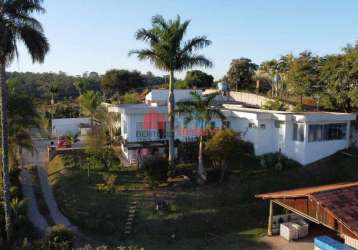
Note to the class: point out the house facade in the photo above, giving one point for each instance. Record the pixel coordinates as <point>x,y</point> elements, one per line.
<point>305,137</point>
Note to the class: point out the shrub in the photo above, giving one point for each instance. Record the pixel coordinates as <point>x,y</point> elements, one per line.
<point>156,169</point>
<point>276,104</point>
<point>59,238</point>
<point>298,108</point>
<point>188,151</point>
<point>131,98</point>
<point>277,161</point>
<point>224,149</point>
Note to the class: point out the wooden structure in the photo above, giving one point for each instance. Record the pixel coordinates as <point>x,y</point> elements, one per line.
<point>334,206</point>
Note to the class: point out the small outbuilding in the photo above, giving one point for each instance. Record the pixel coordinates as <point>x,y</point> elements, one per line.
<point>333,206</point>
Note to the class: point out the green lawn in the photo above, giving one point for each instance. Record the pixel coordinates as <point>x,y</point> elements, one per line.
<point>212,216</point>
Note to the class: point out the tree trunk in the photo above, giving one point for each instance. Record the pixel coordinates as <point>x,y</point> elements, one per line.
<point>171,117</point>
<point>201,170</point>
<point>5,150</point>
<point>223,171</point>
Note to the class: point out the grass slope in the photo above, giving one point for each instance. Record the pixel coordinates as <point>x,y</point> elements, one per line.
<point>213,216</point>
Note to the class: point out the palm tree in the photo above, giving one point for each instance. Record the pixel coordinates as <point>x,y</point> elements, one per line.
<point>89,103</point>
<point>16,24</point>
<point>72,138</point>
<point>202,110</point>
<point>168,52</point>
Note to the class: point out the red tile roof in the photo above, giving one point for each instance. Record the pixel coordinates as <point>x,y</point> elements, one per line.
<point>342,204</point>
<point>304,192</point>
<point>339,200</point>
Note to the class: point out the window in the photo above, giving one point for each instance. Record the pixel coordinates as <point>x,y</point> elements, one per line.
<point>263,126</point>
<point>199,124</point>
<point>298,131</point>
<point>139,126</point>
<point>315,133</point>
<point>326,132</point>
<point>212,124</point>
<point>162,129</point>
<point>279,124</point>
<point>124,127</point>
<point>252,125</point>
<point>226,124</point>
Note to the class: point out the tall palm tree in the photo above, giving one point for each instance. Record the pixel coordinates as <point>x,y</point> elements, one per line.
<point>202,110</point>
<point>16,24</point>
<point>168,52</point>
<point>23,116</point>
<point>89,102</point>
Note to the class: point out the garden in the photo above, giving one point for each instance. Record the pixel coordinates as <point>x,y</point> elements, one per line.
<point>177,212</point>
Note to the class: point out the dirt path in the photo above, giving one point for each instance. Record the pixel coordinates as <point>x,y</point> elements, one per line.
<point>33,212</point>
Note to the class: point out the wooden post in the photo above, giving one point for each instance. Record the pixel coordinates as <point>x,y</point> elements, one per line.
<point>269,228</point>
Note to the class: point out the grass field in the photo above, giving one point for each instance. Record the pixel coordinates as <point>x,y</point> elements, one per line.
<point>212,216</point>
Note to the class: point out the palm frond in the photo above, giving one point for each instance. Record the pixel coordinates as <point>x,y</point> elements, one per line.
<point>189,61</point>
<point>158,20</point>
<point>195,43</point>
<point>35,41</point>
<point>146,35</point>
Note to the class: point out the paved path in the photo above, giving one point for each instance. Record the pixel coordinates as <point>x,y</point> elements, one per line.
<point>40,160</point>
<point>33,212</point>
<point>278,243</point>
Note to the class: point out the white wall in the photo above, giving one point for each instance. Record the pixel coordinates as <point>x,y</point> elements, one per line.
<point>161,95</point>
<point>64,126</point>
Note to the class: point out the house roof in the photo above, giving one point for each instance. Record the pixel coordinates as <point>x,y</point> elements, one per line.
<point>339,200</point>
<point>303,192</point>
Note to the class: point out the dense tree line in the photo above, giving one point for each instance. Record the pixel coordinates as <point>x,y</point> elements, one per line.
<point>60,86</point>
<point>331,80</point>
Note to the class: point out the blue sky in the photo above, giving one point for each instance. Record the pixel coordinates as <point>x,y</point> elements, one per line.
<point>96,35</point>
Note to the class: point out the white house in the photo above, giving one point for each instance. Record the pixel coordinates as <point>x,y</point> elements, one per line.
<point>305,137</point>
<point>63,126</point>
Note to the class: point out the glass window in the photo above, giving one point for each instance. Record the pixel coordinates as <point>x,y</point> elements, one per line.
<point>226,124</point>
<point>251,125</point>
<point>279,124</point>
<point>162,130</point>
<point>298,131</point>
<point>326,132</point>
<point>263,126</point>
<point>315,133</point>
<point>212,124</point>
<point>124,127</point>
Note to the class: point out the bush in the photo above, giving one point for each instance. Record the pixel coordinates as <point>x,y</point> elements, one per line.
<point>277,161</point>
<point>223,150</point>
<point>156,169</point>
<point>131,98</point>
<point>188,151</point>
<point>298,108</point>
<point>59,238</point>
<point>276,104</point>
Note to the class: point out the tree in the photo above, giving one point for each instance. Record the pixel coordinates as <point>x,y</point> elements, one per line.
<point>23,115</point>
<point>121,81</point>
<point>240,74</point>
<point>302,75</point>
<point>199,79</point>
<point>202,110</point>
<point>168,52</point>
<point>131,98</point>
<point>339,75</point>
<point>275,104</point>
<point>16,23</point>
<point>89,103</point>
<point>225,147</point>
